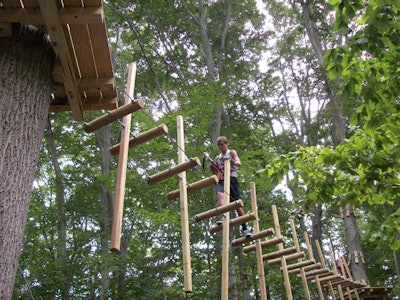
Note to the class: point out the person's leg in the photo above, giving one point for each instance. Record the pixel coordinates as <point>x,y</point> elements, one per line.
<point>220,198</point>
<point>235,195</point>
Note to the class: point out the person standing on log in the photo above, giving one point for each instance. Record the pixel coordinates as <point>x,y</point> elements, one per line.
<point>234,192</point>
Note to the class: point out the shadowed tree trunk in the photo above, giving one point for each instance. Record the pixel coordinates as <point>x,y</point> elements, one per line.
<point>62,219</point>
<point>26,61</point>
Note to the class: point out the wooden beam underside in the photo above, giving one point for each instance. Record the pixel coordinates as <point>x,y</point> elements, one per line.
<point>83,75</point>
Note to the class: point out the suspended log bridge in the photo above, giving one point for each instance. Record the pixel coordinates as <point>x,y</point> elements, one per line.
<point>142,138</point>
<point>218,210</point>
<point>194,187</point>
<point>182,167</point>
<point>114,115</point>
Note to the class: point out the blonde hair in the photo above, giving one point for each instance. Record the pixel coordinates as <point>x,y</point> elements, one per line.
<point>222,139</point>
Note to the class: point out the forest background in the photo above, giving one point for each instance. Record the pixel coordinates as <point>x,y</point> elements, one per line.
<point>307,93</point>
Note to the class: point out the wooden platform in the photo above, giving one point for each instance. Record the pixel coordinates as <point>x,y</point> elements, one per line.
<point>83,74</point>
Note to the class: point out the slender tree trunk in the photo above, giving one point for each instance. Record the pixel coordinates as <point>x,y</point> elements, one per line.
<point>62,219</point>
<point>26,60</point>
<point>243,275</point>
<point>106,204</point>
<point>338,133</point>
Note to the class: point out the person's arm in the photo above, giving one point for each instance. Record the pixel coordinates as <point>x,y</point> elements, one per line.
<point>235,159</point>
<point>213,167</point>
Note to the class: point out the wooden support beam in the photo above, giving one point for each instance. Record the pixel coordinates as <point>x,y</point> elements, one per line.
<point>182,167</point>
<point>184,210</point>
<point>260,262</point>
<point>68,15</point>
<point>268,243</point>
<point>114,115</point>
<point>218,210</point>
<point>225,232</point>
<point>60,45</point>
<point>334,266</point>
<point>287,258</point>
<point>235,222</point>
<point>122,166</point>
<point>195,186</point>
<point>283,258</point>
<point>253,237</point>
<point>143,138</point>
<point>279,253</point>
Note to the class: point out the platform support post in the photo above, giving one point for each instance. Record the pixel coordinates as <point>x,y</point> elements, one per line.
<point>187,267</point>
<point>122,165</point>
<point>225,233</point>
<point>259,255</point>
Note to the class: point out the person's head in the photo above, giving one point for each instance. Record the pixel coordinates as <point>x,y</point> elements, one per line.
<point>222,143</point>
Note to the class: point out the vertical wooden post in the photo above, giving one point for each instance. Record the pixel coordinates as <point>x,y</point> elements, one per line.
<point>323,264</point>
<point>283,259</point>
<point>336,271</point>
<point>260,262</point>
<point>187,267</point>
<point>311,256</point>
<point>302,272</point>
<point>225,232</point>
<point>122,165</point>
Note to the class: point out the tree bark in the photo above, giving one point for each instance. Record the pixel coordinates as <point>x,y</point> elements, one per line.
<point>25,87</point>
<point>106,204</point>
<point>62,219</point>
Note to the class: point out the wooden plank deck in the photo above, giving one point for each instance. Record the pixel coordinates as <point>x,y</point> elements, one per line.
<point>83,74</point>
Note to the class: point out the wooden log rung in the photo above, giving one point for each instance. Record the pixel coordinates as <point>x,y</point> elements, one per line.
<point>235,222</point>
<point>321,272</point>
<point>253,237</point>
<point>326,279</point>
<point>192,163</point>
<point>142,138</point>
<point>301,264</point>
<point>268,243</point>
<point>289,257</point>
<point>194,187</point>
<point>114,115</point>
<point>279,253</point>
<point>306,268</point>
<point>218,210</point>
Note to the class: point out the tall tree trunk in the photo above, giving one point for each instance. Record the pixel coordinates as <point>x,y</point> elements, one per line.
<point>106,204</point>
<point>243,274</point>
<point>25,87</point>
<point>62,219</point>
<point>338,133</point>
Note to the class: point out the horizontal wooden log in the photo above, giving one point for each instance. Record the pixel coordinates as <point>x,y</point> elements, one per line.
<point>68,15</point>
<point>235,222</point>
<point>306,268</point>
<point>326,279</point>
<point>253,237</point>
<point>192,163</point>
<point>301,264</point>
<point>279,253</point>
<point>268,243</point>
<point>194,187</point>
<point>142,138</point>
<point>321,272</point>
<point>113,115</point>
<point>289,257</point>
<point>218,210</point>
<point>306,265</point>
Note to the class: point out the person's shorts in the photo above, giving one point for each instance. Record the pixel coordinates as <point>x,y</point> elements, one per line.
<point>234,190</point>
